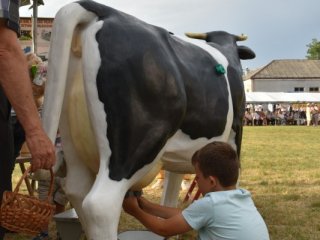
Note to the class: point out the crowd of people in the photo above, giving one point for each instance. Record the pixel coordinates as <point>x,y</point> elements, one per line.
<point>281,114</point>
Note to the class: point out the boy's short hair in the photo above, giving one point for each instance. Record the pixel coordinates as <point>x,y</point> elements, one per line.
<point>218,159</point>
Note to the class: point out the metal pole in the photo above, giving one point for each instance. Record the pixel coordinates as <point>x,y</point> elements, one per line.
<point>35,17</point>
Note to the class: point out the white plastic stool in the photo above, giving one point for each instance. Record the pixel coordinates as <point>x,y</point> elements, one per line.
<point>68,225</point>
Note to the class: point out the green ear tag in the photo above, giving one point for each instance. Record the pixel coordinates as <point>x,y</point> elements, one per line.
<point>220,69</point>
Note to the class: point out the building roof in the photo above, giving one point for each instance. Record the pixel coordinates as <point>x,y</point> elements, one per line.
<point>287,69</point>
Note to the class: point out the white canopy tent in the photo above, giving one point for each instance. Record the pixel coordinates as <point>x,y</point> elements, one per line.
<point>283,100</point>
<point>282,97</point>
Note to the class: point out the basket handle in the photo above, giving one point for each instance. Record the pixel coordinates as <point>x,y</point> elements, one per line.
<point>16,190</point>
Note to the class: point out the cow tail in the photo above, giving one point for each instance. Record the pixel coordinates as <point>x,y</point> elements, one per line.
<point>65,23</point>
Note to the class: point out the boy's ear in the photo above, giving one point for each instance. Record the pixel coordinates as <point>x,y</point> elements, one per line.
<point>213,181</point>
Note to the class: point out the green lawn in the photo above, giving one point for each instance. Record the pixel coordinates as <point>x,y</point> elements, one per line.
<point>281,168</point>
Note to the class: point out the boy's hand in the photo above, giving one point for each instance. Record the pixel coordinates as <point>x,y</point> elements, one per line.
<point>143,203</point>
<point>130,205</point>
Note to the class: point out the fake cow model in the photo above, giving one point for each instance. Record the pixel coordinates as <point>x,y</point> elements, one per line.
<point>128,96</point>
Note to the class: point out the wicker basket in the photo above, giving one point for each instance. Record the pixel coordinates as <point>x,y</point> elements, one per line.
<point>26,214</point>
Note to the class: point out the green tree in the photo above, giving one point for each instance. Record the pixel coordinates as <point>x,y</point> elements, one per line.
<point>313,52</point>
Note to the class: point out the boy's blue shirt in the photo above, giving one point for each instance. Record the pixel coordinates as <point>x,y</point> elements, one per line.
<point>226,215</point>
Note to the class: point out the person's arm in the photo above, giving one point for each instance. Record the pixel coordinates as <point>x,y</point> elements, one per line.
<point>173,225</point>
<point>156,209</point>
<point>16,84</point>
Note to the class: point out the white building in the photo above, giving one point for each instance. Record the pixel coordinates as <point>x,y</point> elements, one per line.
<point>299,75</point>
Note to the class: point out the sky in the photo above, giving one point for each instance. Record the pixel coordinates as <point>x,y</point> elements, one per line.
<point>276,29</point>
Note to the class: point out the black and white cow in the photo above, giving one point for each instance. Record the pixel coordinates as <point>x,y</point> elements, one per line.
<point>130,98</point>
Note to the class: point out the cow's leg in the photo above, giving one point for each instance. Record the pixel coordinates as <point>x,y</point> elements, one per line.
<point>86,192</point>
<point>78,177</point>
<point>171,189</point>
<point>102,207</point>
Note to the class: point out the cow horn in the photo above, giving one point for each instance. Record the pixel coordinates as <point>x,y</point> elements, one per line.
<point>242,37</point>
<point>197,35</point>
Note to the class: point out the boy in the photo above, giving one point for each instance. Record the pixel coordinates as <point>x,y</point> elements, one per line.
<point>224,212</point>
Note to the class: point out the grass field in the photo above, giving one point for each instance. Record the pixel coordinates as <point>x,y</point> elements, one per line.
<point>281,168</point>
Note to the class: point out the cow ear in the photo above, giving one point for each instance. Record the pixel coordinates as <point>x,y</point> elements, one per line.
<point>245,53</point>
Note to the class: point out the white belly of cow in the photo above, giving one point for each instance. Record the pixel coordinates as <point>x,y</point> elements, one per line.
<point>81,132</point>
<point>180,148</point>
